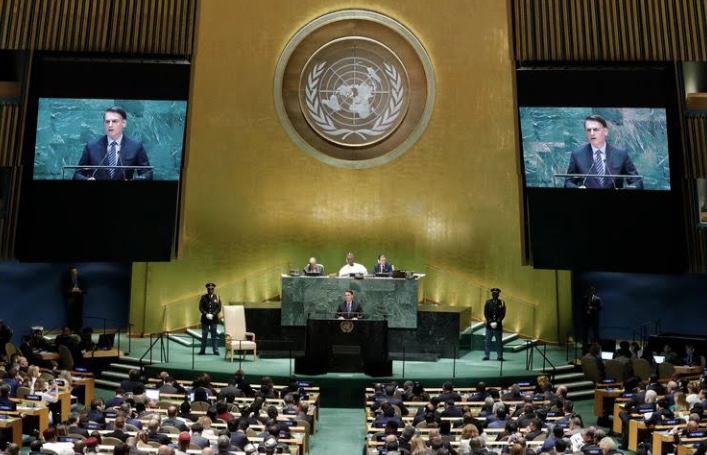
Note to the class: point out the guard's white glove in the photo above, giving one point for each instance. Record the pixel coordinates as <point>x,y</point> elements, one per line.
<point>209,316</point>
<point>494,325</point>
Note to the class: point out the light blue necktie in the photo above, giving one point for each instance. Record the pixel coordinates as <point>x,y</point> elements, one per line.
<point>112,158</point>
<point>599,166</point>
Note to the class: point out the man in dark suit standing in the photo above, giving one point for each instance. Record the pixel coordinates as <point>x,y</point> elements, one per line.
<point>209,307</point>
<point>592,307</point>
<point>598,158</point>
<point>113,149</point>
<point>349,309</point>
<point>73,287</point>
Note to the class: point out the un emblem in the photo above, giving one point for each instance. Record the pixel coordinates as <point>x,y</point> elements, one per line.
<point>346,326</point>
<point>355,92</point>
<point>344,89</point>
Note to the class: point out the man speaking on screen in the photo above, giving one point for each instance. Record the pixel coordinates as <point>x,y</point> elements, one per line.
<point>589,163</point>
<point>114,149</point>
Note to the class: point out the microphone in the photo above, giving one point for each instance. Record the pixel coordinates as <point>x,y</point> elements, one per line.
<point>588,172</point>
<point>120,163</point>
<point>613,181</point>
<point>93,174</point>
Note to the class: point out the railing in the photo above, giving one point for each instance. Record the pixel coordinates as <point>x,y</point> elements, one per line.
<point>117,331</point>
<point>639,334</point>
<point>456,289</point>
<point>257,286</point>
<point>164,349</point>
<point>530,357</point>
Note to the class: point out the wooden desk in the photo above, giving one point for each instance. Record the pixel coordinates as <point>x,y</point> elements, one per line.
<point>100,353</point>
<point>634,427</point>
<point>65,402</point>
<point>689,372</point>
<point>686,449</point>
<point>660,438</point>
<point>16,424</point>
<point>103,353</point>
<point>89,385</point>
<point>600,395</point>
<point>40,411</point>
<point>616,426</point>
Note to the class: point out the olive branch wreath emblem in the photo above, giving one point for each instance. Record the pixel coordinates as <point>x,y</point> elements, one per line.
<point>324,121</point>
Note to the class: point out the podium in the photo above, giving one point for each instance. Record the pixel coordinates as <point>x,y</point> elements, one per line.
<point>118,169</point>
<point>351,346</point>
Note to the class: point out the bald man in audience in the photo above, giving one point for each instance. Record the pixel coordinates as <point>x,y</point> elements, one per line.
<point>153,434</point>
<point>435,441</point>
<point>173,421</point>
<point>513,394</point>
<point>165,450</point>
<point>132,447</point>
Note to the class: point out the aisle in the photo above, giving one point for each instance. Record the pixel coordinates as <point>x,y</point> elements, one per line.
<point>341,432</point>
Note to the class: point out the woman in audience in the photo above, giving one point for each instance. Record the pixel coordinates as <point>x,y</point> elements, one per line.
<point>680,408</point>
<point>693,393</point>
<point>418,446</point>
<point>468,432</point>
<point>62,430</point>
<point>48,392</point>
<point>141,440</point>
<point>517,449</point>
<point>32,376</point>
<point>206,424</point>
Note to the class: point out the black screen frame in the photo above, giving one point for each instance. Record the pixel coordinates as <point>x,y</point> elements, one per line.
<point>110,221</point>
<point>574,229</point>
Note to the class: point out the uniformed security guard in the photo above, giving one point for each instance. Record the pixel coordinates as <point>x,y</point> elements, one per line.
<point>494,312</point>
<point>210,307</point>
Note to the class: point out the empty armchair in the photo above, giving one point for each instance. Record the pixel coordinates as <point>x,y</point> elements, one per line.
<point>237,338</point>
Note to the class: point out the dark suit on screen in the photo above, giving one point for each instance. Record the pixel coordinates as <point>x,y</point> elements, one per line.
<point>617,163</point>
<point>343,312</point>
<point>132,153</point>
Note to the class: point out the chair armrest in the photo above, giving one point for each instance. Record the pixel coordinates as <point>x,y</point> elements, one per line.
<point>250,334</point>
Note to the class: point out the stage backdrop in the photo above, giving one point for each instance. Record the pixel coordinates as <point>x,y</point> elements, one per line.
<point>31,295</point>
<point>255,205</point>
<point>631,300</point>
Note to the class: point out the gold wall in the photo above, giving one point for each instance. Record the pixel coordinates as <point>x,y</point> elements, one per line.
<point>255,205</point>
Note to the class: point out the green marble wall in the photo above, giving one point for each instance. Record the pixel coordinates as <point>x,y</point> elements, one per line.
<point>550,134</point>
<point>65,125</point>
<point>394,299</point>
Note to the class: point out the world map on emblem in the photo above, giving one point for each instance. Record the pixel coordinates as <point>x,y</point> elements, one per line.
<point>354,92</point>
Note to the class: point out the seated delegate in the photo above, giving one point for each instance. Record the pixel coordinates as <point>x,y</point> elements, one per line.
<point>383,267</point>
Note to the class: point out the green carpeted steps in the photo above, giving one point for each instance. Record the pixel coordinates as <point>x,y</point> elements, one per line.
<point>571,377</point>
<point>111,377</point>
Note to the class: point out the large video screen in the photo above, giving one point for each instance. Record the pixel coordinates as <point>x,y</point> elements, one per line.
<point>559,144</point>
<point>600,160</point>
<point>103,154</point>
<point>73,136</point>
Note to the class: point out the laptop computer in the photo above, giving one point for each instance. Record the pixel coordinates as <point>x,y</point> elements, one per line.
<point>152,394</point>
<point>312,274</point>
<point>607,355</point>
<point>659,358</point>
<point>106,341</point>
